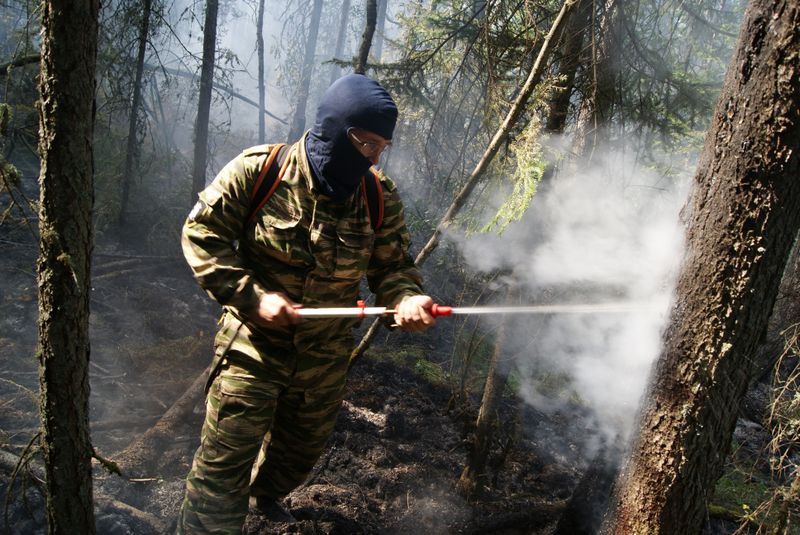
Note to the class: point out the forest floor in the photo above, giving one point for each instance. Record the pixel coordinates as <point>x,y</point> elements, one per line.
<point>390,467</point>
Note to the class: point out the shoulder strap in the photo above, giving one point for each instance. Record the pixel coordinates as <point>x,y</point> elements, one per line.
<point>268,179</point>
<point>373,197</point>
<point>272,172</point>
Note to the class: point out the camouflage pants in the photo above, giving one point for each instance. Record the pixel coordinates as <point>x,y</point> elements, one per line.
<point>286,406</point>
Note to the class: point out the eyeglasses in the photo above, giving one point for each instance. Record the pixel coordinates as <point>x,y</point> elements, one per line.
<point>369,149</point>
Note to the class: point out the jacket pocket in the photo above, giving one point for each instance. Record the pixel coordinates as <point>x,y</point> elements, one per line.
<point>280,239</point>
<point>341,253</point>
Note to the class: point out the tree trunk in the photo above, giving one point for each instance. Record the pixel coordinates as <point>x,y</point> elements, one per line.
<point>340,40</point>
<point>497,141</point>
<point>474,477</point>
<point>744,216</point>
<point>571,49</point>
<point>131,152</point>
<point>299,121</point>
<point>204,100</point>
<point>567,67</point>
<point>366,38</point>
<point>595,110</point>
<point>262,135</point>
<point>66,83</point>
<point>377,46</point>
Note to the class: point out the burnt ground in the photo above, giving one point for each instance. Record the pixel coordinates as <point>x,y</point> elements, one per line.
<point>391,465</point>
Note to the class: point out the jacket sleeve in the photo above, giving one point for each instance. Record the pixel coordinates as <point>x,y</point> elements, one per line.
<point>392,274</point>
<point>212,230</point>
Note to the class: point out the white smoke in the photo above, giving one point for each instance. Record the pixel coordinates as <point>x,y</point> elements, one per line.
<point>607,232</point>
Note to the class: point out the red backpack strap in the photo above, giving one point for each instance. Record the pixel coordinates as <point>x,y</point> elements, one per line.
<point>373,198</point>
<point>268,179</point>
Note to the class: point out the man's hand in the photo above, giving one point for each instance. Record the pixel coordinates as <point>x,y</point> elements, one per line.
<point>276,310</point>
<point>414,313</point>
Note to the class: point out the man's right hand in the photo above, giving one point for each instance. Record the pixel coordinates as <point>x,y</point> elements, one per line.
<point>276,310</point>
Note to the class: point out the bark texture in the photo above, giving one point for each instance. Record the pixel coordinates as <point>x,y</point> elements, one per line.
<point>204,100</point>
<point>598,99</point>
<point>66,84</point>
<point>743,217</point>
<point>299,120</point>
<point>568,62</point>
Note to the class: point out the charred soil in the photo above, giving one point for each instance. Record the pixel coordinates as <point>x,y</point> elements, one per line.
<point>390,466</point>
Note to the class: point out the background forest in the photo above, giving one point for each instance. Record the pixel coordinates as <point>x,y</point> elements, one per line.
<point>544,152</point>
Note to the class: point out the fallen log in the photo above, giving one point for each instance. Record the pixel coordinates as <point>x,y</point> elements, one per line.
<point>140,453</point>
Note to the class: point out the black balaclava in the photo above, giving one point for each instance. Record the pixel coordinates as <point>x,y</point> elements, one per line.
<point>353,101</point>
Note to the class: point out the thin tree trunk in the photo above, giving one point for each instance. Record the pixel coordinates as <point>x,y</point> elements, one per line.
<point>474,478</point>
<point>66,84</point>
<point>377,46</point>
<point>366,38</point>
<point>340,40</point>
<point>299,121</point>
<point>744,215</point>
<point>595,110</point>
<point>261,87</point>
<point>132,149</point>
<point>494,146</point>
<point>204,100</point>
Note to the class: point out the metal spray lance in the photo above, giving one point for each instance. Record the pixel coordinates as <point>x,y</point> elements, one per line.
<point>363,311</point>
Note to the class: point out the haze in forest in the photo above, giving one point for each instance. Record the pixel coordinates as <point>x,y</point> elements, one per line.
<point>634,86</point>
<point>608,232</point>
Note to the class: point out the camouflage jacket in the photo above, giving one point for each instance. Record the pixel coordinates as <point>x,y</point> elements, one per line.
<point>301,243</point>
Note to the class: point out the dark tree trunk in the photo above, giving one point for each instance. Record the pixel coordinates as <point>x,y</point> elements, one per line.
<point>366,38</point>
<point>380,26</point>
<point>299,121</point>
<point>262,100</point>
<point>568,64</point>
<point>588,504</point>
<point>68,50</point>
<point>204,100</point>
<point>571,50</point>
<point>341,37</point>
<point>743,217</point>
<point>132,149</point>
<point>595,110</point>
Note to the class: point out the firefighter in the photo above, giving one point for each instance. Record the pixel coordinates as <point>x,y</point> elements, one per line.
<point>277,382</point>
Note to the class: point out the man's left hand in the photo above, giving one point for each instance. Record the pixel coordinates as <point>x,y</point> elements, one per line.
<point>414,313</point>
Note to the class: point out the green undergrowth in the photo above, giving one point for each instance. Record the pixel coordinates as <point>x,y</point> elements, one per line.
<point>740,491</point>
<point>413,358</point>
<point>740,497</point>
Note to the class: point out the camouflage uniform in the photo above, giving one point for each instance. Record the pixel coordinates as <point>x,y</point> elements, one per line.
<point>280,385</point>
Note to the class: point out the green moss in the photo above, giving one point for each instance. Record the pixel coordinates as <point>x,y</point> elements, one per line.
<point>414,358</point>
<point>736,490</point>
<point>740,493</point>
<point>431,372</point>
